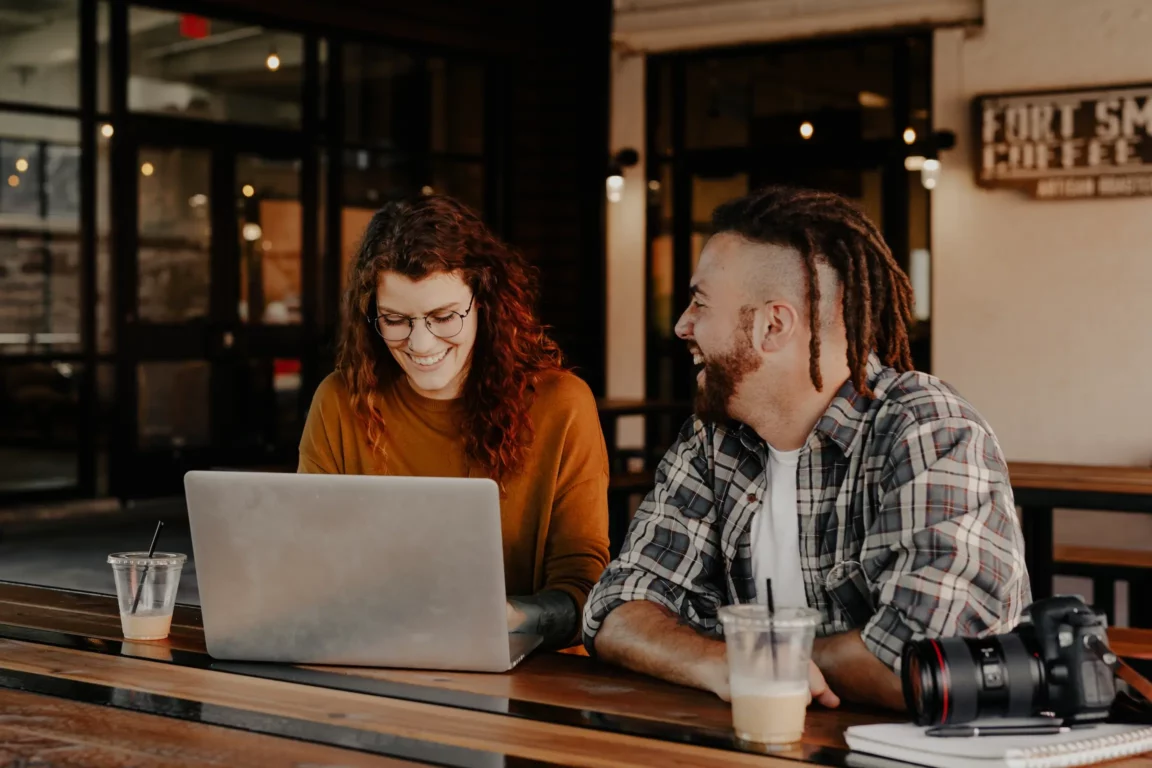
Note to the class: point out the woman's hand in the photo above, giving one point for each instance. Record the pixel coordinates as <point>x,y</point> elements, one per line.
<point>516,617</point>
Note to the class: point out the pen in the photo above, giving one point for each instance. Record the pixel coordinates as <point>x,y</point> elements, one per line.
<point>952,731</point>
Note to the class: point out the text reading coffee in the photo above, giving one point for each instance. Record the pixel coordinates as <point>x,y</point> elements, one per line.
<point>1071,143</point>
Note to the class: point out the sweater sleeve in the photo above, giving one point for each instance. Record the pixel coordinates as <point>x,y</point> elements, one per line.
<point>576,552</point>
<point>320,444</point>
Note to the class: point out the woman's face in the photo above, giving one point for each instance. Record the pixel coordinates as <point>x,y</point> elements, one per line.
<point>442,316</point>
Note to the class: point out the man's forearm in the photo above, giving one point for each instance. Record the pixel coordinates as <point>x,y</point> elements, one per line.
<point>648,638</point>
<point>855,673</point>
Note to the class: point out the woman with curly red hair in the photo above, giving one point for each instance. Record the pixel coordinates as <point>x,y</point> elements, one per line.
<point>445,371</point>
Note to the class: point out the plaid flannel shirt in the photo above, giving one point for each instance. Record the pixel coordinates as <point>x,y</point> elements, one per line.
<point>907,524</point>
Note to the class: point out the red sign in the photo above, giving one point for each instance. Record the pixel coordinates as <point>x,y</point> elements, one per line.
<point>192,26</point>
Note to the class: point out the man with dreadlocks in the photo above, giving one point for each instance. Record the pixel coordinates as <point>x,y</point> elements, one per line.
<point>818,459</point>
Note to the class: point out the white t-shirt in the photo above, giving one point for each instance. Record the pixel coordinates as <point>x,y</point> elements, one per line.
<point>776,535</point>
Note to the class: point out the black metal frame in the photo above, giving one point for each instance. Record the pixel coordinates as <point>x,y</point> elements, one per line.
<point>887,154</point>
<point>1104,578</point>
<point>89,405</point>
<point>1037,505</point>
<point>135,472</point>
<point>313,341</point>
<point>87,116</point>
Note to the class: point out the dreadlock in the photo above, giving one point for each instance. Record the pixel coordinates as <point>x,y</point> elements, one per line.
<point>825,228</point>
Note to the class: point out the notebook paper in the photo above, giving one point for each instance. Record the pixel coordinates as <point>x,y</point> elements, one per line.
<point>1082,746</point>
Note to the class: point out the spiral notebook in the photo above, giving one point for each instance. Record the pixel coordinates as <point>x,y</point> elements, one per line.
<point>908,743</point>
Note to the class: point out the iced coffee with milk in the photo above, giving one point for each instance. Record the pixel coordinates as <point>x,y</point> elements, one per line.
<point>146,587</point>
<point>768,657</point>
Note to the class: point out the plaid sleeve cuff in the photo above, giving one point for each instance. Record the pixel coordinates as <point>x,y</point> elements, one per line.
<point>885,635</point>
<point>625,586</point>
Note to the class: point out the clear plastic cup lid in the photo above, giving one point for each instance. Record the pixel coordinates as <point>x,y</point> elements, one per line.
<point>756,616</point>
<point>141,558</point>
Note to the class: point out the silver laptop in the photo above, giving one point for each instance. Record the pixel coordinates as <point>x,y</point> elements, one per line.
<point>349,569</point>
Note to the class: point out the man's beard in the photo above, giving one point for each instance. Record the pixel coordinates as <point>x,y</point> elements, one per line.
<point>722,375</point>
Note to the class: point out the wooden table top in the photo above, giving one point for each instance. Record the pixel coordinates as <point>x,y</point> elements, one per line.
<point>67,678</point>
<point>1078,477</point>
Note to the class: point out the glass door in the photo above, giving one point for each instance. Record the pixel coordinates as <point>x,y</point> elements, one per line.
<point>264,370</point>
<point>211,295</point>
<point>709,182</point>
<point>840,115</point>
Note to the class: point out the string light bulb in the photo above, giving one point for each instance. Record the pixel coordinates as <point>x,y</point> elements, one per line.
<point>615,188</point>
<point>930,173</point>
<point>614,181</point>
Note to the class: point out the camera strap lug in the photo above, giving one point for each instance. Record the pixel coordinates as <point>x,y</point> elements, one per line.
<point>1120,667</point>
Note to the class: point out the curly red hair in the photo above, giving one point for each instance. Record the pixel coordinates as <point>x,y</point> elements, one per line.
<point>422,236</point>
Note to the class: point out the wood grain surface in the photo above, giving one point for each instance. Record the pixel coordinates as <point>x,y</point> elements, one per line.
<point>47,731</point>
<point>445,725</point>
<point>1126,558</point>
<point>564,680</point>
<point>1076,477</point>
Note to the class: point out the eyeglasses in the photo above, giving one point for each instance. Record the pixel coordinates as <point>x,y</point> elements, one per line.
<point>442,325</point>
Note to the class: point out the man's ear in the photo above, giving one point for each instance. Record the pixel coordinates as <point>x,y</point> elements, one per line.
<point>775,325</point>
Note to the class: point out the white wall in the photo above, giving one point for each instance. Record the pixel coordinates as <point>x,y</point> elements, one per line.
<point>625,248</point>
<point>1043,310</point>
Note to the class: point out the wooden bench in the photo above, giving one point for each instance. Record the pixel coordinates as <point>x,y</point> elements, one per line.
<point>663,419</point>
<point>1041,488</point>
<point>669,413</point>
<point>1131,643</point>
<point>1106,566</point>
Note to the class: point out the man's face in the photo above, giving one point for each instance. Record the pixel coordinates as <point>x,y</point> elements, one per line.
<point>717,326</point>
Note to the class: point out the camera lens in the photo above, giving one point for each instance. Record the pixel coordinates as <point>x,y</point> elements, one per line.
<point>956,680</point>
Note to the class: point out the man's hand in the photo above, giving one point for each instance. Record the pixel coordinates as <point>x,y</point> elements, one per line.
<point>647,638</point>
<point>819,687</point>
<point>714,674</point>
<point>856,673</point>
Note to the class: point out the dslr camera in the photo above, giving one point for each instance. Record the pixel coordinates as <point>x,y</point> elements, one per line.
<point>1055,663</point>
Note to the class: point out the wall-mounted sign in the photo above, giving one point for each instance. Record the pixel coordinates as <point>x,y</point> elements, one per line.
<point>1092,142</point>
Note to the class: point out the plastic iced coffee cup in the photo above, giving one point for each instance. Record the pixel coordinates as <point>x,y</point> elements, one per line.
<point>146,590</point>
<point>768,657</point>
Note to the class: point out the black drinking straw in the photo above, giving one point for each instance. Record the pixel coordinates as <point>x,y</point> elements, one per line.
<point>151,550</point>
<point>771,622</point>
